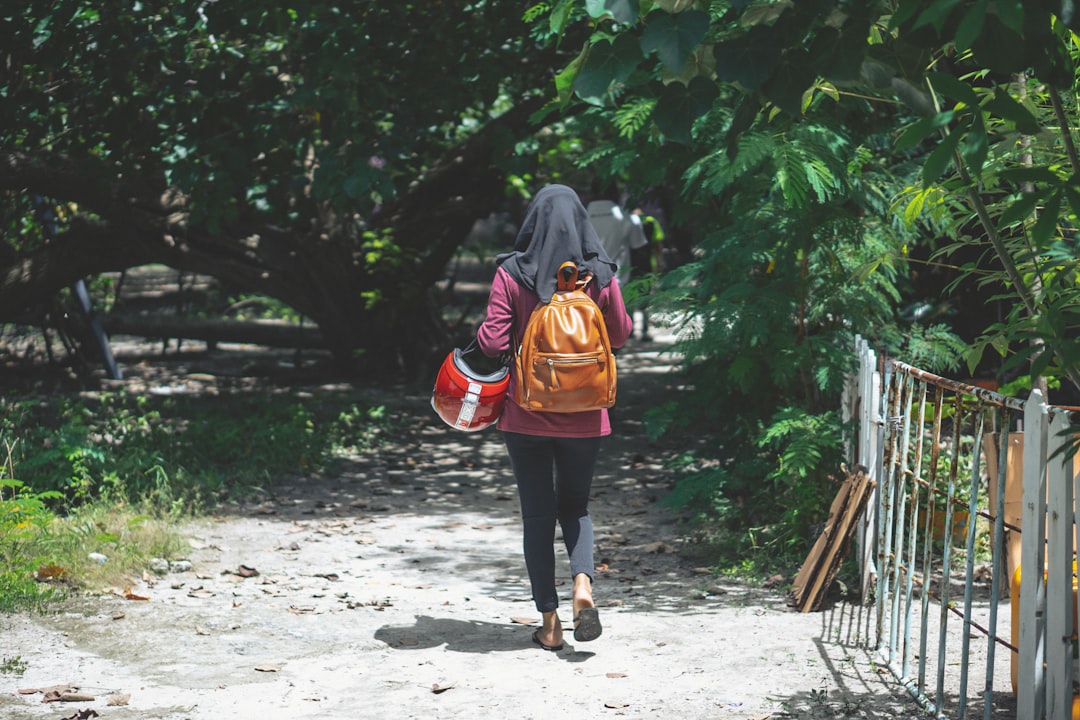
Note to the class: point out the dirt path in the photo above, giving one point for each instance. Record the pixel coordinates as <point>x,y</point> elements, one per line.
<point>397,589</point>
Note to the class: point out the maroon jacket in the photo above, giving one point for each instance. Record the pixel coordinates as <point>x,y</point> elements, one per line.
<point>508,310</point>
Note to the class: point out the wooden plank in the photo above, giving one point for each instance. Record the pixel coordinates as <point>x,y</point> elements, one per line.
<point>813,559</point>
<point>840,542</point>
<point>824,560</point>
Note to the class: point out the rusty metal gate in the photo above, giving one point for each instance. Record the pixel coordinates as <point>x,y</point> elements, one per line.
<point>972,487</point>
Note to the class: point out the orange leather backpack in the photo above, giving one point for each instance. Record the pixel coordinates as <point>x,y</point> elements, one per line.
<point>564,361</point>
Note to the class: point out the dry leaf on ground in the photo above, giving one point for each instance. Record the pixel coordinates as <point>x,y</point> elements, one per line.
<point>83,715</point>
<point>68,695</point>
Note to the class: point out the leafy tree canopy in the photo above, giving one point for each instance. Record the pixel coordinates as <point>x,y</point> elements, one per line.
<point>330,154</point>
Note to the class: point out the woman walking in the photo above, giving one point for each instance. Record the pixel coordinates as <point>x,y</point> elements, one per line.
<point>553,454</point>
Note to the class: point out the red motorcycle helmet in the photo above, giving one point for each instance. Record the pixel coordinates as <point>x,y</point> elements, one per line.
<point>465,398</point>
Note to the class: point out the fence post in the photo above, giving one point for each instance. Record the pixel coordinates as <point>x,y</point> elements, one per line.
<point>1031,700</point>
<point>1059,563</point>
<point>869,457</point>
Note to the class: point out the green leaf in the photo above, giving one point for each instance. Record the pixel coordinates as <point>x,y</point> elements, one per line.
<point>596,8</point>
<point>940,158</point>
<point>564,81</point>
<point>1019,211</point>
<point>1000,48</point>
<point>674,37</point>
<point>922,129</point>
<point>1005,106</point>
<point>970,26</point>
<point>624,11</point>
<point>1073,195</point>
<point>936,14</point>
<point>976,147</point>
<point>789,83</point>
<point>678,6</point>
<point>748,60</point>
<point>954,88</point>
<point>839,54</point>
<point>560,16</point>
<point>1021,175</point>
<point>607,62</point>
<point>904,12</point>
<point>679,105</point>
<point>1011,14</point>
<point>1046,225</point>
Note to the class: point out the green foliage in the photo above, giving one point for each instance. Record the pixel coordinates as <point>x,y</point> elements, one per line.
<point>237,104</point>
<point>177,452</point>
<point>837,144</point>
<point>13,665</point>
<point>23,516</point>
<point>111,473</point>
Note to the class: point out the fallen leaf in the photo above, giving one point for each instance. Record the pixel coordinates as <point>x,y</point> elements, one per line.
<point>119,616</point>
<point>66,695</point>
<point>302,609</point>
<point>246,571</point>
<point>118,699</point>
<point>523,620</point>
<point>616,675</point>
<point>267,668</point>
<point>482,527</point>
<point>614,705</point>
<point>128,595</point>
<point>45,573</point>
<point>200,593</point>
<point>441,687</point>
<point>83,715</point>
<point>658,547</point>
<point>332,577</point>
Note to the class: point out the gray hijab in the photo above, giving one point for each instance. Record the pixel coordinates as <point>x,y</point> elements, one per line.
<point>556,229</point>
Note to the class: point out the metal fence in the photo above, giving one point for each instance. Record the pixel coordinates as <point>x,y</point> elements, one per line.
<point>972,488</point>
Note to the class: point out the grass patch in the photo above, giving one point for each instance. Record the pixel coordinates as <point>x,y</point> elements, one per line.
<point>92,486</point>
<point>13,665</point>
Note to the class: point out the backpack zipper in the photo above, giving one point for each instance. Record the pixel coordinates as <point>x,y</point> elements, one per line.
<point>552,362</point>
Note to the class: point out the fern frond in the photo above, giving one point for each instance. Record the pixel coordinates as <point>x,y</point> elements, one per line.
<point>633,116</point>
<point>791,177</point>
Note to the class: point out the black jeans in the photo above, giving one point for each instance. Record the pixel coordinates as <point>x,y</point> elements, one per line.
<point>554,477</point>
